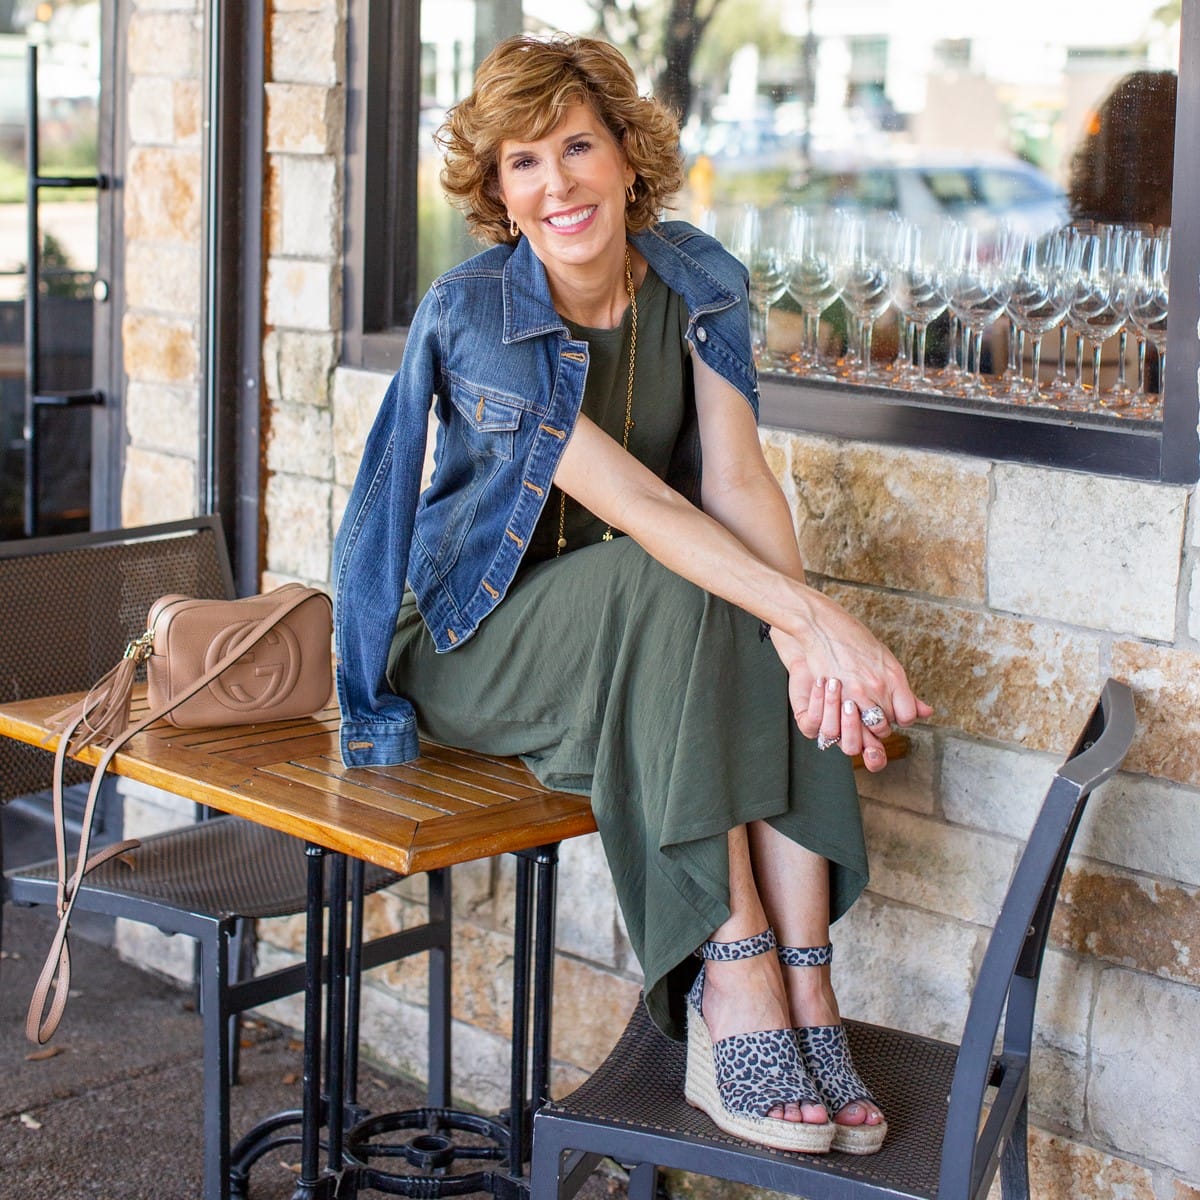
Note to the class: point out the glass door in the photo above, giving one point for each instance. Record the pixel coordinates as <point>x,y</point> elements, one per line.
<point>50,184</point>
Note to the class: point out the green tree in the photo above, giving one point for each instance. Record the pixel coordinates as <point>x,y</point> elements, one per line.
<point>661,39</point>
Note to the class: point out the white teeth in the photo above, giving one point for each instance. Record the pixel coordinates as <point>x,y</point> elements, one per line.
<point>575,218</point>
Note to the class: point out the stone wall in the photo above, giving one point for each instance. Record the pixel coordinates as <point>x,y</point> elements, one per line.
<point>1010,592</point>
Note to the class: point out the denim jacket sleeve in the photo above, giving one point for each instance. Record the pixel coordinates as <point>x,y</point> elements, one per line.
<point>370,556</point>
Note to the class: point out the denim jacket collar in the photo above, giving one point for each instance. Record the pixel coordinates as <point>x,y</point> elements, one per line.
<point>529,310</point>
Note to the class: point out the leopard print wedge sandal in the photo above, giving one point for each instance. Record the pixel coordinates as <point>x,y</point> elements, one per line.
<point>825,1054</point>
<point>738,1080</point>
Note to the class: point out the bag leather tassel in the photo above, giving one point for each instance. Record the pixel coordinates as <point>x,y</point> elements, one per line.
<point>104,711</point>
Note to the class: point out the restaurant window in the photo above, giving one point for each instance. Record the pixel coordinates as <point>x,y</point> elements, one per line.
<point>959,231</point>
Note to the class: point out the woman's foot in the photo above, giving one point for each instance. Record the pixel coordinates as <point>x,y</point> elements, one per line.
<point>743,1065</point>
<point>859,1123</point>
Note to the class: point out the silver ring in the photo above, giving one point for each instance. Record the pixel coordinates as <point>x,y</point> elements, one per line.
<point>872,716</point>
<point>823,742</point>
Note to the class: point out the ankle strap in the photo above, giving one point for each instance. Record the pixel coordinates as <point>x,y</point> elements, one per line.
<point>808,956</point>
<point>760,943</point>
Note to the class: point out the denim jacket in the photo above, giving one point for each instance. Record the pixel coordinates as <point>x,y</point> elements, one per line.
<point>507,380</point>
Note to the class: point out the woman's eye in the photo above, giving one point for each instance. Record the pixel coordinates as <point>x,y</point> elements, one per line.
<point>579,147</point>
<point>520,164</point>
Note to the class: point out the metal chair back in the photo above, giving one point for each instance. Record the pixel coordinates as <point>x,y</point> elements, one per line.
<point>944,1142</point>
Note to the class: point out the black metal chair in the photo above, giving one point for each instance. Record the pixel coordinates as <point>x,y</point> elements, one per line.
<point>71,604</point>
<point>956,1113</point>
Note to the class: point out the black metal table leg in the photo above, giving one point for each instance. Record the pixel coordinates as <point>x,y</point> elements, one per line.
<point>311,1185</point>
<point>433,1151</point>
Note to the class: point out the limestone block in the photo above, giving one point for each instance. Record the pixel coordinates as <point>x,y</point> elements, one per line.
<point>1058,1088</point>
<point>777,450</point>
<point>1166,693</point>
<point>162,417</point>
<point>341,497</point>
<point>298,539</point>
<point>164,43</point>
<point>156,487</point>
<point>171,955</point>
<point>1185,1191</point>
<point>1104,553</point>
<point>898,966</point>
<point>591,1008</point>
<point>307,46</point>
<point>394,1032</point>
<point>1065,1000</point>
<point>587,902</point>
<point>907,782</point>
<point>1152,925</point>
<point>356,399</point>
<point>190,6</point>
<point>1145,825</point>
<point>160,349</point>
<point>988,675</point>
<point>188,108</point>
<point>304,118</point>
<point>301,367</point>
<point>301,294</point>
<point>1144,1036</point>
<point>1060,1169</point>
<point>943,868</point>
<point>300,441</point>
<point>162,194</point>
<point>305,206</point>
<point>163,277</point>
<point>627,961</point>
<point>904,519</point>
<point>146,810</point>
<point>337,7</point>
<point>994,787</point>
<point>151,111</point>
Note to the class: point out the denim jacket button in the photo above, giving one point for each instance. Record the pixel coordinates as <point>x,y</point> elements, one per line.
<point>701,334</point>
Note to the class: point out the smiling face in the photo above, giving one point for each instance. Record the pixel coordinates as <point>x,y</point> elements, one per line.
<point>566,192</point>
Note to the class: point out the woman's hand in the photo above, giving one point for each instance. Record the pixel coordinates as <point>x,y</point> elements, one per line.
<point>841,674</point>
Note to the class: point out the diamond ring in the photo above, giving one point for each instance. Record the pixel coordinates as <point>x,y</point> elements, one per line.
<point>823,742</point>
<point>872,716</point>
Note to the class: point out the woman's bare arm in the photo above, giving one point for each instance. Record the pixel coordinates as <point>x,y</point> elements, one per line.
<point>743,551</point>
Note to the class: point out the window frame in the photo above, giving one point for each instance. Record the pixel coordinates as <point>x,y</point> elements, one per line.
<point>382,111</point>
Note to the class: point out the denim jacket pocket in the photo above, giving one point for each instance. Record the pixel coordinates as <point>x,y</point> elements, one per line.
<point>486,420</point>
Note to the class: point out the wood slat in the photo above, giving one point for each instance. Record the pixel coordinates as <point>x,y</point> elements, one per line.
<point>448,806</point>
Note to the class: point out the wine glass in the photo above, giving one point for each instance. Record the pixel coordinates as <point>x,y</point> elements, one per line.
<point>1098,294</point>
<point>1149,294</point>
<point>918,287</point>
<point>863,279</point>
<point>758,239</point>
<point>1037,295</point>
<point>975,286</point>
<point>808,263</point>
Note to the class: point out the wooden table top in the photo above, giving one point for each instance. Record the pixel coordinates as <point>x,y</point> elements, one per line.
<point>448,806</point>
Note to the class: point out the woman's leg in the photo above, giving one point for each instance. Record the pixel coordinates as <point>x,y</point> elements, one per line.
<point>793,884</point>
<point>748,995</point>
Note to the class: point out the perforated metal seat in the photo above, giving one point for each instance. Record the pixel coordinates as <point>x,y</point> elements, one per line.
<point>956,1113</point>
<point>225,867</point>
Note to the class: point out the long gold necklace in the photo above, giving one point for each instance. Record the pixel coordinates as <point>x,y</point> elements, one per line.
<point>562,496</point>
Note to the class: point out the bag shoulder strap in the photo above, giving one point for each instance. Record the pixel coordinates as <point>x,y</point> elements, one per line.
<point>54,982</point>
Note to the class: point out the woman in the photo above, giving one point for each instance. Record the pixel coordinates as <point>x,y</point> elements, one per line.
<point>580,369</point>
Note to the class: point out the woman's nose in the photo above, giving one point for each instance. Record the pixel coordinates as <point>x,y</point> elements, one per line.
<point>558,180</point>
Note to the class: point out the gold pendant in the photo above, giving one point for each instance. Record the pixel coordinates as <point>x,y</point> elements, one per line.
<point>562,543</point>
<point>606,536</point>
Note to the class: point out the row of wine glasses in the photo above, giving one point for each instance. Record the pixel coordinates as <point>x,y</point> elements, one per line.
<point>1092,281</point>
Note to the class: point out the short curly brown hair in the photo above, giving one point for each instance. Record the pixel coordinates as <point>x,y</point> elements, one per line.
<point>522,89</point>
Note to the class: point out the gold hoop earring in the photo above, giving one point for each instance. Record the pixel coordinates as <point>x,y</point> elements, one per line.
<point>631,193</point>
<point>513,229</point>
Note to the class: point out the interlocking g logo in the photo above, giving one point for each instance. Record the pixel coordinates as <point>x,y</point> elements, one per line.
<point>263,676</point>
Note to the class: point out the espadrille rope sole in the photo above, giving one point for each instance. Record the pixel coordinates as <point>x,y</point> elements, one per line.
<point>701,1091</point>
<point>825,1054</point>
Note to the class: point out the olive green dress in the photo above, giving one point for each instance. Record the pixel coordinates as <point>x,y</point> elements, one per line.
<point>611,676</point>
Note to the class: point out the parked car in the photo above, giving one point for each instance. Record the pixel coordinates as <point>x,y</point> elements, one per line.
<point>982,191</point>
